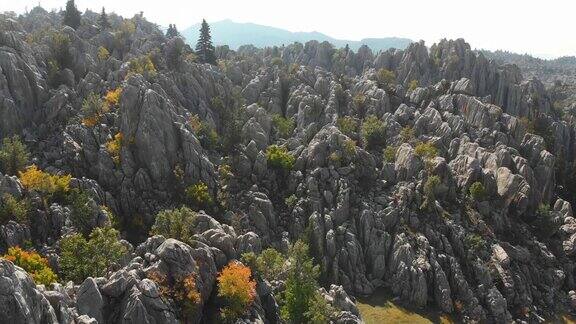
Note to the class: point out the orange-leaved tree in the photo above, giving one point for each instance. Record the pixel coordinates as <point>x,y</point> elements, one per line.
<point>237,288</point>
<point>33,263</point>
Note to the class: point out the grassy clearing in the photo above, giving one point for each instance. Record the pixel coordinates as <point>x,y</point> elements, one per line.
<point>380,308</point>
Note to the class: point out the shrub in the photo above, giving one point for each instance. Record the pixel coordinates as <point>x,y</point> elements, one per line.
<point>407,134</point>
<point>385,78</point>
<point>475,243</point>
<point>477,191</point>
<point>103,53</point>
<point>37,180</point>
<point>93,108</point>
<point>544,221</point>
<point>175,223</point>
<point>430,187</point>
<point>390,154</point>
<point>13,209</point>
<point>142,65</point>
<point>60,50</point>
<point>335,158</point>
<point>199,195</point>
<point>291,201</point>
<point>279,158</point>
<point>270,264</point>
<point>359,102</point>
<point>123,34</point>
<point>33,263</point>
<point>426,150</point>
<point>284,126</point>
<point>301,284</point>
<point>277,61</point>
<point>347,125</point>
<point>81,258</point>
<point>82,213</point>
<point>412,85</point>
<point>206,134</point>
<point>349,149</point>
<point>14,155</point>
<point>237,289</point>
<point>319,310</point>
<point>373,132</point>
<point>181,290</point>
<point>114,146</point>
<point>112,97</point>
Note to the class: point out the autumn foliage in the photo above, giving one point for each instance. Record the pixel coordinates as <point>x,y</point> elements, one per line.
<point>33,263</point>
<point>112,98</point>
<point>35,179</point>
<point>237,289</point>
<point>183,291</point>
<point>114,146</point>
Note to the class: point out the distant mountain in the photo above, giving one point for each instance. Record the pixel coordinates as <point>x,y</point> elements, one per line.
<point>234,34</point>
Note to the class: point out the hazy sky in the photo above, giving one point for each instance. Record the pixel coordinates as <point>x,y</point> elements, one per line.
<point>542,28</point>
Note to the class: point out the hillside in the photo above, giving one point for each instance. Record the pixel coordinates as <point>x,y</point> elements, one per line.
<point>141,185</point>
<point>234,34</point>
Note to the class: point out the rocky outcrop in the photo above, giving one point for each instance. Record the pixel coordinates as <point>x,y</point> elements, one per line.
<point>20,301</point>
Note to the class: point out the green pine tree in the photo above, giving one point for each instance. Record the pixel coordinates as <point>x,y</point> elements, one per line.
<point>172,31</point>
<point>204,47</point>
<point>103,20</point>
<point>72,16</point>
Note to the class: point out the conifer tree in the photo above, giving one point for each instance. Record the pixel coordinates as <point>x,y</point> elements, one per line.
<point>72,16</point>
<point>103,20</point>
<point>172,31</point>
<point>204,47</point>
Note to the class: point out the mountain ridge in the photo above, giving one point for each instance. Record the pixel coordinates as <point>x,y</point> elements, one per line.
<point>234,34</point>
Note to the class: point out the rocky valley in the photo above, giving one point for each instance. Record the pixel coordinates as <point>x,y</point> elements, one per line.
<point>143,181</point>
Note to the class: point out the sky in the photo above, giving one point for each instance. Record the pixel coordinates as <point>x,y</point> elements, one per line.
<point>540,28</point>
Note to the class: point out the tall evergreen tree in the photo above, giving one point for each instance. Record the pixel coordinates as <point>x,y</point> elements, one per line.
<point>172,31</point>
<point>72,16</point>
<point>103,20</point>
<point>204,47</point>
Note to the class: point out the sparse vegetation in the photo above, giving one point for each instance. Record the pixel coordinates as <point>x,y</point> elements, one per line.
<point>430,188</point>
<point>13,209</point>
<point>386,78</point>
<point>103,53</point>
<point>206,135</point>
<point>93,108</point>
<point>475,243</point>
<point>279,157</point>
<point>33,263</point>
<point>175,223</point>
<point>426,150</point>
<point>199,195</point>
<point>412,85</point>
<point>347,125</point>
<point>407,134</point>
<point>112,97</point>
<point>114,146</point>
<point>183,291</point>
<point>81,258</point>
<point>373,133</point>
<point>291,201</point>
<point>14,155</point>
<point>143,65</point>
<point>47,184</point>
<point>390,154</point>
<point>477,191</point>
<point>283,126</point>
